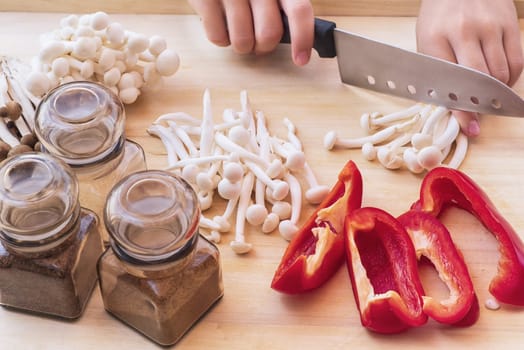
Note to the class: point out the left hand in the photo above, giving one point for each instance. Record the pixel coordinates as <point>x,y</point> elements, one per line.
<point>481,34</point>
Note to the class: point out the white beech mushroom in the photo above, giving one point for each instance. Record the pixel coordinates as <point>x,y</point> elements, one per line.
<point>239,245</point>
<point>279,189</point>
<point>331,139</point>
<point>246,149</point>
<point>419,138</point>
<point>316,192</point>
<point>103,51</point>
<point>257,213</point>
<point>288,228</point>
<point>461,147</point>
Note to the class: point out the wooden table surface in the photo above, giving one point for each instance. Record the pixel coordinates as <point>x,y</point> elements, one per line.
<point>251,315</point>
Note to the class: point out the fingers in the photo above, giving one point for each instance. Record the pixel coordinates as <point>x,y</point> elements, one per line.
<point>240,25</point>
<point>469,122</point>
<point>213,20</point>
<point>513,49</point>
<point>268,26</point>
<point>255,26</point>
<point>301,28</point>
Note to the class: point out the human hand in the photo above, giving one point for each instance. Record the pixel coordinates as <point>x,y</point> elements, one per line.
<point>481,34</point>
<point>255,26</point>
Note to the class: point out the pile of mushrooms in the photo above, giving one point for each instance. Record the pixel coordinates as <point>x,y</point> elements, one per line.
<point>17,110</point>
<point>418,138</point>
<point>92,47</point>
<point>263,177</point>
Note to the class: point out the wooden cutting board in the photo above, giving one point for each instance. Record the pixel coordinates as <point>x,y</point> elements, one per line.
<point>251,315</point>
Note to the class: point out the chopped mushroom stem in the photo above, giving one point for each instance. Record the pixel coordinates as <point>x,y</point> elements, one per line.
<point>238,159</point>
<point>239,245</point>
<point>418,138</point>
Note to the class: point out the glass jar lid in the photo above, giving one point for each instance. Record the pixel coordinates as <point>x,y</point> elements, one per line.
<point>152,216</point>
<point>80,121</point>
<point>38,198</point>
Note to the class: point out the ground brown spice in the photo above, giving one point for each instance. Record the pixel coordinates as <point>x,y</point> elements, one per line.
<point>162,308</point>
<point>59,284</point>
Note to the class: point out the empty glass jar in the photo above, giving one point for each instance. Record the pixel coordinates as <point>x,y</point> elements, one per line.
<point>159,275</point>
<point>82,123</point>
<point>49,245</point>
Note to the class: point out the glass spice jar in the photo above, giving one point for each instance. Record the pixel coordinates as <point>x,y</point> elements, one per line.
<point>49,245</point>
<point>82,123</point>
<point>159,275</point>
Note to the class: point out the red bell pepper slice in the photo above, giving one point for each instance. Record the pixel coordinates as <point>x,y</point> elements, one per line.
<point>317,250</point>
<point>443,187</point>
<point>432,240</point>
<point>384,272</point>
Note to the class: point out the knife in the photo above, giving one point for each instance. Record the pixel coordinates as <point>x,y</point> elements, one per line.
<point>388,69</point>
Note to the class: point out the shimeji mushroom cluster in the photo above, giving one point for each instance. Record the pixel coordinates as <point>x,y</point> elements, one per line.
<point>17,110</point>
<point>92,47</point>
<point>418,138</point>
<point>260,175</point>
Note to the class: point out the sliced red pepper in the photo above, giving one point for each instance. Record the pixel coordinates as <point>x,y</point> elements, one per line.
<point>384,272</point>
<point>317,250</point>
<point>443,187</point>
<point>432,240</point>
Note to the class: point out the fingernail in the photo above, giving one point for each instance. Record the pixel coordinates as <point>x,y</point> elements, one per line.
<point>473,128</point>
<point>301,58</point>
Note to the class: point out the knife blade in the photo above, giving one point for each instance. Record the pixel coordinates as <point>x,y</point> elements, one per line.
<point>388,69</point>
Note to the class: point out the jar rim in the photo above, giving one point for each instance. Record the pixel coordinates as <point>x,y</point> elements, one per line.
<point>151,215</point>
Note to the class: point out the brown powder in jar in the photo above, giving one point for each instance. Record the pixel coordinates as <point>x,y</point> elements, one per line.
<point>164,309</point>
<point>59,284</point>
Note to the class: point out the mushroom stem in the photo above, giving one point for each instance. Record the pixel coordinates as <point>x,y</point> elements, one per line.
<point>279,188</point>
<point>232,147</point>
<point>295,159</point>
<point>159,131</point>
<point>288,228</point>
<point>197,161</point>
<point>291,134</point>
<point>178,117</point>
<point>450,133</point>
<point>206,136</point>
<point>239,245</point>
<point>438,113</point>
<point>184,138</point>
<point>331,139</point>
<point>223,220</point>
<point>316,192</point>
<point>257,213</point>
<point>397,116</point>
<point>461,148</point>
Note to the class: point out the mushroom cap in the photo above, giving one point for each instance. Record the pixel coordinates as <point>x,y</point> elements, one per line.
<point>240,247</point>
<point>282,209</point>
<point>270,223</point>
<point>157,44</point>
<point>256,214</point>
<point>229,190</point>
<point>316,194</point>
<point>239,135</point>
<point>280,190</point>
<point>129,95</point>
<point>295,160</point>
<point>430,157</point>
<point>137,43</point>
<point>167,62</point>
<point>99,20</point>
<point>233,171</point>
<point>38,83</point>
<point>330,139</point>
<point>287,229</point>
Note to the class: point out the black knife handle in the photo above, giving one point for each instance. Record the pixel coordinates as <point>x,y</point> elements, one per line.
<point>324,42</point>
